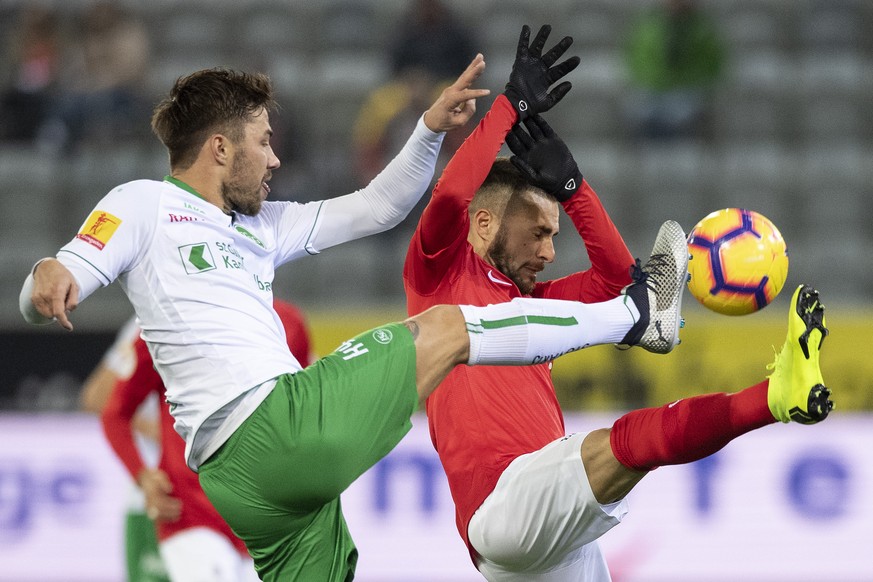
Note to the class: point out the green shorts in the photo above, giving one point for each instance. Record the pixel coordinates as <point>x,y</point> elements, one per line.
<point>278,479</point>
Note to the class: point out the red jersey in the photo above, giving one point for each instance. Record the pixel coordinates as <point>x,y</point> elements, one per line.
<point>129,394</point>
<point>482,417</point>
<point>296,331</point>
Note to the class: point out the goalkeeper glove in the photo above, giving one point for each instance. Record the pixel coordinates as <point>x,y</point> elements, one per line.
<point>544,159</point>
<point>532,73</point>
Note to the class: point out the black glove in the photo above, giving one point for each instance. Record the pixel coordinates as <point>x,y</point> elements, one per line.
<point>544,159</point>
<point>531,76</point>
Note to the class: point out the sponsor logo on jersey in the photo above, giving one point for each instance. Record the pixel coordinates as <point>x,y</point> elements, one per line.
<point>183,218</point>
<point>383,336</point>
<point>351,349</point>
<point>263,285</point>
<point>230,257</point>
<point>196,258</point>
<point>189,206</point>
<point>496,280</point>
<point>250,236</point>
<point>99,228</point>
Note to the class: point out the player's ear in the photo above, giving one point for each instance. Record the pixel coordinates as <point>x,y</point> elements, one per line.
<point>484,224</point>
<point>219,147</point>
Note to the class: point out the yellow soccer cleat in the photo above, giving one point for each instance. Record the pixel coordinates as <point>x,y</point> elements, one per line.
<point>797,391</point>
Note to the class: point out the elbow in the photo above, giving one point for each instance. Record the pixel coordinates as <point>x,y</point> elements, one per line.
<point>396,217</point>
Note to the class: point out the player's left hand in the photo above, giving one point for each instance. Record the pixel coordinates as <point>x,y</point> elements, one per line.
<point>457,103</point>
<point>533,73</point>
<point>544,159</point>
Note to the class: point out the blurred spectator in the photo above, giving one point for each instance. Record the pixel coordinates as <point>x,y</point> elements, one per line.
<point>432,39</point>
<point>32,58</point>
<point>432,50</point>
<point>101,96</point>
<point>674,57</point>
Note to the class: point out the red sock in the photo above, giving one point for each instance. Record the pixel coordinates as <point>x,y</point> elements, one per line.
<point>689,429</point>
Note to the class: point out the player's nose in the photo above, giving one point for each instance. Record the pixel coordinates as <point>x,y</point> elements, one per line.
<point>547,250</point>
<point>273,160</point>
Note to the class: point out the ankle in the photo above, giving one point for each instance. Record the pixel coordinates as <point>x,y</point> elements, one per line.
<point>639,295</point>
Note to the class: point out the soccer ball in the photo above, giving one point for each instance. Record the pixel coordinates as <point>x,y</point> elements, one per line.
<point>738,261</point>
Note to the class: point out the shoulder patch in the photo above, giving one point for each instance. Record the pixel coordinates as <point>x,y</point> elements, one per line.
<point>99,228</point>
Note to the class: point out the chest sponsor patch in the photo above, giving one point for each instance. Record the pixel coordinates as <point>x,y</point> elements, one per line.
<point>99,228</point>
<point>250,236</point>
<point>197,258</point>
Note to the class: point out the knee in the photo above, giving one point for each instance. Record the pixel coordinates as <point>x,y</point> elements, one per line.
<point>610,480</point>
<point>441,319</point>
<point>441,328</point>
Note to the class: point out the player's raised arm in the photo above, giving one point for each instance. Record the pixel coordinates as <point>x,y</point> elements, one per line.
<point>392,194</point>
<point>527,92</point>
<point>533,73</point>
<point>544,159</point>
<point>546,162</point>
<point>457,103</point>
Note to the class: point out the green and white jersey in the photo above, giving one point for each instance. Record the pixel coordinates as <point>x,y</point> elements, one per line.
<point>201,281</point>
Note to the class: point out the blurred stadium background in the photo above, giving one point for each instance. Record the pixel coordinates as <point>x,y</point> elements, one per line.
<point>790,135</point>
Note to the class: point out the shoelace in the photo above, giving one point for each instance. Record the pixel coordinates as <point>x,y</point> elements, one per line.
<point>641,274</point>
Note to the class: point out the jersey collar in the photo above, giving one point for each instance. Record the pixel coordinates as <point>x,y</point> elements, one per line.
<point>496,277</point>
<point>183,186</point>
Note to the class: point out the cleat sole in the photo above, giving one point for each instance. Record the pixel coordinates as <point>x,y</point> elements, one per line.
<point>818,406</point>
<point>811,312</point>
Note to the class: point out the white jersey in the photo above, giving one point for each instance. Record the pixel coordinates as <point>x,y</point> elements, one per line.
<point>120,358</point>
<point>201,280</point>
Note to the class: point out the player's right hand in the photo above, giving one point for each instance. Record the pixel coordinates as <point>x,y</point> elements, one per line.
<point>544,159</point>
<point>55,291</point>
<point>532,73</point>
<point>457,103</point>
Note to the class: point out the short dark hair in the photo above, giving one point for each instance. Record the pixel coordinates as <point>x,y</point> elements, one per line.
<point>207,101</point>
<point>503,183</point>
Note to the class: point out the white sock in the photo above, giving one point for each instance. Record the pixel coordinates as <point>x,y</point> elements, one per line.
<point>532,331</point>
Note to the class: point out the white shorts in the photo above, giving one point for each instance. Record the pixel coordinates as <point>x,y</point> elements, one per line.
<point>201,554</point>
<point>541,522</point>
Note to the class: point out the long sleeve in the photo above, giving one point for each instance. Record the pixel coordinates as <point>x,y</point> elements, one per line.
<point>445,217</point>
<point>385,201</point>
<point>445,222</point>
<point>610,258</point>
<point>117,416</point>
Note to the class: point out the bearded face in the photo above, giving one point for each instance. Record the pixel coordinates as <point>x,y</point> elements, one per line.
<point>524,242</point>
<point>251,167</point>
<point>244,191</point>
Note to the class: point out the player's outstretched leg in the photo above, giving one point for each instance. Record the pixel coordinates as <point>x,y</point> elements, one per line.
<point>797,391</point>
<point>657,292</point>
